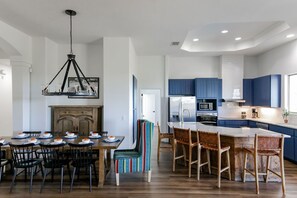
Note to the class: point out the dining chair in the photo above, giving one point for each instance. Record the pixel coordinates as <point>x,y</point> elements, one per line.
<point>265,146</point>
<point>82,157</point>
<point>3,161</point>
<point>212,142</point>
<point>161,136</point>
<point>24,158</point>
<point>184,137</point>
<point>137,159</point>
<point>54,157</point>
<point>33,133</point>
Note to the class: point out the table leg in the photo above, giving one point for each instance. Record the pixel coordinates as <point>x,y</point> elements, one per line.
<point>101,168</point>
<point>108,159</point>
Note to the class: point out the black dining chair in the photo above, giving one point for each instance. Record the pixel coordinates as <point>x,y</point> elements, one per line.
<point>24,157</point>
<point>54,157</point>
<point>82,157</point>
<point>33,133</point>
<point>3,161</point>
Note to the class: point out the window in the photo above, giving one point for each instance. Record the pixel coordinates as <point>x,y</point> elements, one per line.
<point>292,93</point>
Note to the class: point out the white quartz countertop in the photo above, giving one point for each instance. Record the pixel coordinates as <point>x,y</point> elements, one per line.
<point>226,131</point>
<point>260,120</point>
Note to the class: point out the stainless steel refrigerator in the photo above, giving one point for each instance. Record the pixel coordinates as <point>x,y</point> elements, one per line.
<point>182,109</point>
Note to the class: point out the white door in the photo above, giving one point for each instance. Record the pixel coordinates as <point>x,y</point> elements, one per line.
<point>149,107</point>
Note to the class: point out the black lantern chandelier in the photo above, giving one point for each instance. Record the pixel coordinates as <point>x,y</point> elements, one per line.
<point>71,91</point>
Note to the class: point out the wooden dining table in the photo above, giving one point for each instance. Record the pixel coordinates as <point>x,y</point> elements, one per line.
<point>99,144</point>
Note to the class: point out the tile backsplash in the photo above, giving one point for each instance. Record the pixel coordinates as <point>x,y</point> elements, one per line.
<point>233,110</point>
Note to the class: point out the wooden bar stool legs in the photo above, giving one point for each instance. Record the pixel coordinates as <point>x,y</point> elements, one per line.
<point>161,136</point>
<point>269,147</point>
<point>211,142</point>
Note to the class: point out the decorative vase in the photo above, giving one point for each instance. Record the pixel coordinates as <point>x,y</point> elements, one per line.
<point>286,120</point>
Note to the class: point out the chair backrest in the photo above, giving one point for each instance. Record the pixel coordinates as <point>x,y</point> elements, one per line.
<point>145,131</point>
<point>275,143</point>
<point>53,155</point>
<point>22,154</point>
<point>209,139</point>
<point>158,127</point>
<point>182,135</point>
<point>33,133</point>
<point>81,154</point>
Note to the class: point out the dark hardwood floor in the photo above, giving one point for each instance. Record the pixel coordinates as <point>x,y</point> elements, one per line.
<point>164,183</point>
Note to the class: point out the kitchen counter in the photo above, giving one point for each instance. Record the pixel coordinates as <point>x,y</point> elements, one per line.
<point>244,132</point>
<point>237,139</point>
<point>260,120</point>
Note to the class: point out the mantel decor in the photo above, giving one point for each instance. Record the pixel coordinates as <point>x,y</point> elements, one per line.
<point>94,83</point>
<point>85,88</point>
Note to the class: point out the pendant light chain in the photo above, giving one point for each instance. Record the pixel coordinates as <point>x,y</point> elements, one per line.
<point>71,34</point>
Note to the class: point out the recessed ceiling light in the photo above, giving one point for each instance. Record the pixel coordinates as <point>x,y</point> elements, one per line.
<point>290,35</point>
<point>196,39</point>
<point>224,31</point>
<point>237,38</point>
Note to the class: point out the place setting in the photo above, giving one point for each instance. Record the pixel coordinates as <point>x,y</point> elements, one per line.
<point>86,141</point>
<point>3,142</point>
<point>111,139</point>
<point>32,140</point>
<point>70,135</point>
<point>94,135</point>
<point>57,141</point>
<point>21,136</point>
<point>45,135</point>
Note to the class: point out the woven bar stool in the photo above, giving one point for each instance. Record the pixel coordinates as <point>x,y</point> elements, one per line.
<point>211,142</point>
<point>186,138</point>
<point>265,146</point>
<point>163,136</point>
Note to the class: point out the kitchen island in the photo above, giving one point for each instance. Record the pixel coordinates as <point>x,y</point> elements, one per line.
<point>237,139</point>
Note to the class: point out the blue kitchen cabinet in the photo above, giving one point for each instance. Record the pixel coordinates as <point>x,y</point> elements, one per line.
<point>233,123</point>
<point>248,91</point>
<point>181,87</point>
<point>207,88</point>
<point>295,147</point>
<point>221,123</point>
<point>289,145</point>
<point>220,92</point>
<point>267,91</point>
<point>252,124</point>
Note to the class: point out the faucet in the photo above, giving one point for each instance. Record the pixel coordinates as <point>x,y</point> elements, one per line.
<point>185,110</point>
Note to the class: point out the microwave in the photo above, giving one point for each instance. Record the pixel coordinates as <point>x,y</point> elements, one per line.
<point>205,106</point>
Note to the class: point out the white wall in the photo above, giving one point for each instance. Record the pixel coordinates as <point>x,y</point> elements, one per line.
<point>251,68</point>
<point>151,75</point>
<point>280,60</point>
<point>116,87</point>
<point>6,126</point>
<point>193,67</point>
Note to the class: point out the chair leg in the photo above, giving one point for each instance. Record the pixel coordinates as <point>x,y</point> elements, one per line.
<point>208,161</point>
<point>73,175</point>
<point>117,179</point>
<point>43,180</point>
<point>282,169</point>
<point>190,161</point>
<point>31,178</point>
<point>173,158</point>
<point>267,168</point>
<point>90,175</point>
<point>185,155</point>
<point>13,179</point>
<point>95,172</point>
<point>244,167</point>
<point>158,154</point>
<point>0,173</point>
<point>219,168</point>
<point>149,176</point>
<point>256,172</point>
<point>68,169</point>
<point>229,169</point>
<point>199,162</point>
<point>62,178</point>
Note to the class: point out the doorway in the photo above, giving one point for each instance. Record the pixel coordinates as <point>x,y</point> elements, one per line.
<point>150,105</point>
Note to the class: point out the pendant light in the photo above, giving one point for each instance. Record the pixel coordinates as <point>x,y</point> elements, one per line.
<point>71,91</point>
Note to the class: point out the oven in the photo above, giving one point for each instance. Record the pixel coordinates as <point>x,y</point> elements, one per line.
<point>207,118</point>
